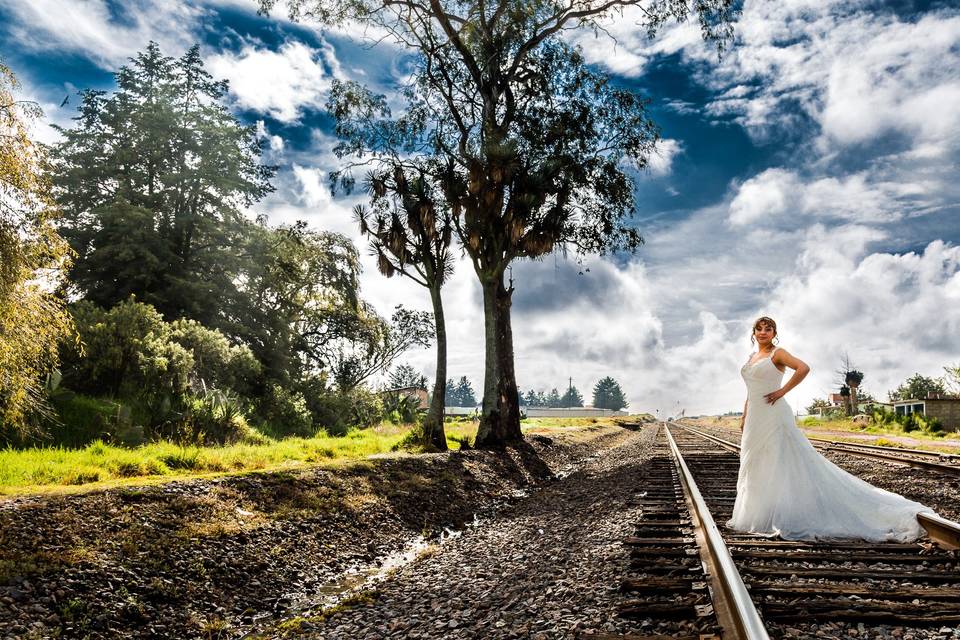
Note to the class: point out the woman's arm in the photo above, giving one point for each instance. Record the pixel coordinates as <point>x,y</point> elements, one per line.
<point>744,416</point>
<point>800,371</point>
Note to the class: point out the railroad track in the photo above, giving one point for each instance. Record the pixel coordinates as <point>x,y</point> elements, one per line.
<point>745,586</point>
<point>945,463</point>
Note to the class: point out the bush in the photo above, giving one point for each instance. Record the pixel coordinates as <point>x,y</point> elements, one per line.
<point>216,363</point>
<point>284,413</point>
<point>126,352</point>
<point>214,417</point>
<point>336,412</point>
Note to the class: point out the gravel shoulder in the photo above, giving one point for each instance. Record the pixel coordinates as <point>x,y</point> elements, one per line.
<point>226,557</point>
<point>548,566</point>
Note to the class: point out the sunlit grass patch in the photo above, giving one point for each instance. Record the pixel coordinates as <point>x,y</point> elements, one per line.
<point>102,464</point>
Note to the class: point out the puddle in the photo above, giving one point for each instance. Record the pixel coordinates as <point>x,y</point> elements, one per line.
<point>354,580</point>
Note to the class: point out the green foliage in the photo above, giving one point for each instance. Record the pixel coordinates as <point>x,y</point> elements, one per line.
<point>128,352</point>
<point>818,403</point>
<point>377,344</point>
<point>607,394</point>
<point>571,398</point>
<point>32,255</point>
<point>284,412</point>
<point>216,362</point>
<point>152,180</point>
<point>401,408</point>
<point>907,422</point>
<point>917,387</point>
<point>215,417</point>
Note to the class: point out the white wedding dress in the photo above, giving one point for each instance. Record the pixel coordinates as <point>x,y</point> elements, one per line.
<point>786,487</point>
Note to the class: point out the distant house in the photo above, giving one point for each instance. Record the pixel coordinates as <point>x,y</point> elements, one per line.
<point>419,392</point>
<point>947,410</point>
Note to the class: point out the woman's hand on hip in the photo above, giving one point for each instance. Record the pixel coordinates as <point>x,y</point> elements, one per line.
<point>773,396</point>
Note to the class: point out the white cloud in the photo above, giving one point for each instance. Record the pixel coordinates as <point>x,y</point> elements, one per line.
<point>895,314</point>
<point>660,161</point>
<point>279,83</point>
<point>768,198</point>
<point>91,27</point>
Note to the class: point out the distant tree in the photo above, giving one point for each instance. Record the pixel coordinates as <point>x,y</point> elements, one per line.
<point>917,387</point>
<point>571,398</point>
<point>553,399</point>
<point>33,322</point>
<point>405,375</point>
<point>818,403</point>
<point>952,378</point>
<point>542,399</point>
<point>452,394</point>
<point>532,145</point>
<point>465,393</point>
<point>531,399</point>
<point>607,394</point>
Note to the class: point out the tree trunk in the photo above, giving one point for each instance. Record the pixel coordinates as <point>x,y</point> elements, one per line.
<point>500,417</point>
<point>433,433</point>
<point>853,401</point>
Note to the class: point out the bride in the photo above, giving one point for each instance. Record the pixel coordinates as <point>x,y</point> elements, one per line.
<point>785,487</point>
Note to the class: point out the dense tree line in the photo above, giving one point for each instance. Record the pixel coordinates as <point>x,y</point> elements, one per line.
<point>197,318</point>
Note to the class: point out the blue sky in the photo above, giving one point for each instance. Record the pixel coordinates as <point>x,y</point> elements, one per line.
<point>810,174</point>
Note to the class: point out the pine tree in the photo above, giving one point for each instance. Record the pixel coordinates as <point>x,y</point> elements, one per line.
<point>532,399</point>
<point>572,398</point>
<point>466,394</point>
<point>452,394</point>
<point>153,181</point>
<point>607,394</point>
<point>553,399</point>
<point>406,376</point>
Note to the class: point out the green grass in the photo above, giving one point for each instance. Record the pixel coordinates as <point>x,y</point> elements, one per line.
<point>46,469</point>
<point>24,470</point>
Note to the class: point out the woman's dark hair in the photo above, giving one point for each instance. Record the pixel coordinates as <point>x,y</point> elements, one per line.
<point>763,320</point>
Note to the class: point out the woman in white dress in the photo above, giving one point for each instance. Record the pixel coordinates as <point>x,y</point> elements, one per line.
<point>785,487</point>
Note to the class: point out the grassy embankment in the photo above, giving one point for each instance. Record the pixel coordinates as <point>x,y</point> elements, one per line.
<point>37,470</point>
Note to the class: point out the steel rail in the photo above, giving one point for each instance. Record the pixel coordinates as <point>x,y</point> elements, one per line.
<point>917,452</point>
<point>950,470</point>
<point>738,604</point>
<point>944,532</point>
<point>883,453</point>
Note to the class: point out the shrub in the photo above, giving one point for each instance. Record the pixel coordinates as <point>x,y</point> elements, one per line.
<point>284,413</point>
<point>216,363</point>
<point>126,352</point>
<point>213,417</point>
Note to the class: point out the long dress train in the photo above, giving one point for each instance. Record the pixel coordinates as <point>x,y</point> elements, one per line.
<point>786,487</point>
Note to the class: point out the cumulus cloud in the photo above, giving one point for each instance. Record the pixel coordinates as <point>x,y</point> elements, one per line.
<point>877,306</point>
<point>277,83</point>
<point>94,29</point>
<point>769,196</point>
<point>660,161</point>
